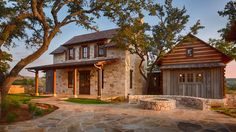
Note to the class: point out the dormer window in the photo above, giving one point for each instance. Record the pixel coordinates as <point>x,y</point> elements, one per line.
<point>189,52</point>
<point>71,54</point>
<point>101,50</point>
<point>85,52</point>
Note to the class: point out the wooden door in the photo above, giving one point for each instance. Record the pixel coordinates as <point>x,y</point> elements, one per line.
<point>84,82</point>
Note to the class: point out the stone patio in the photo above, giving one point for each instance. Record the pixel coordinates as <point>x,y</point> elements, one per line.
<point>71,117</point>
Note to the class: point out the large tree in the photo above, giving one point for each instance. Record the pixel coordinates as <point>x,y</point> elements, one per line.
<point>36,23</point>
<point>150,43</point>
<point>227,42</point>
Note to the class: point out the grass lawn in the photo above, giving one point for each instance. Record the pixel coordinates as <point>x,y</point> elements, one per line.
<point>23,98</point>
<point>86,101</point>
<point>227,111</point>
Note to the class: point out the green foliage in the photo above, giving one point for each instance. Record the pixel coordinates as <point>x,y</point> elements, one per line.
<point>86,101</point>
<point>24,82</point>
<point>11,117</point>
<point>35,110</point>
<point>227,111</point>
<point>229,12</point>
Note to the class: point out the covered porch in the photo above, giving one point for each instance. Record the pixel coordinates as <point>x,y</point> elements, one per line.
<point>75,78</point>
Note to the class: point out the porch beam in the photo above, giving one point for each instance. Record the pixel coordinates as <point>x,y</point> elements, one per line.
<point>36,83</point>
<point>54,82</point>
<point>75,82</point>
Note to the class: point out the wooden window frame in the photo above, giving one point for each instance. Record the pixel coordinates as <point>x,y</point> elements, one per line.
<point>99,47</point>
<point>187,54</point>
<point>182,78</point>
<point>87,54</point>
<point>197,79</point>
<point>131,79</point>
<point>71,50</point>
<point>70,76</point>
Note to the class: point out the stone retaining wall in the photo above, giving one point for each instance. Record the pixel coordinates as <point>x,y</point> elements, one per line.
<point>230,100</point>
<point>193,102</point>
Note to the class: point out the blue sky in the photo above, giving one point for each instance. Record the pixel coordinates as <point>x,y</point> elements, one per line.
<point>205,10</point>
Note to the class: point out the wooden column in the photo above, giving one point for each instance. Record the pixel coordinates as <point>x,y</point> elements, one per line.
<point>36,83</point>
<point>54,82</point>
<point>99,83</point>
<point>75,83</point>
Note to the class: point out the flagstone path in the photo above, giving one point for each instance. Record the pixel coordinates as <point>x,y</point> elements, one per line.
<point>71,117</point>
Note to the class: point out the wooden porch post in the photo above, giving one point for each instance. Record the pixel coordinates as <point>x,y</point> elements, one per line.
<point>54,82</point>
<point>36,83</point>
<point>100,83</point>
<point>75,82</point>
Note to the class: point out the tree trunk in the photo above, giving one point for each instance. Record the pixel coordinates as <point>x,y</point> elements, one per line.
<point>5,86</point>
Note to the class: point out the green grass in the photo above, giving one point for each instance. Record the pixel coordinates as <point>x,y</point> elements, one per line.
<point>23,98</point>
<point>227,111</point>
<point>86,101</point>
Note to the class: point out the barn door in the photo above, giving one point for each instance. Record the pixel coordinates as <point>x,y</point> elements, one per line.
<point>190,83</point>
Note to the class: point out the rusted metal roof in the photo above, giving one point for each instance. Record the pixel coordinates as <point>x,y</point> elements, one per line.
<point>59,50</point>
<point>197,65</point>
<point>100,35</point>
<point>74,64</point>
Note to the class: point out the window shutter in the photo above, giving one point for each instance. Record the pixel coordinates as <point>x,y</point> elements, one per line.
<point>88,52</point>
<point>66,55</point>
<point>73,53</point>
<point>105,50</point>
<point>95,51</point>
<point>80,52</point>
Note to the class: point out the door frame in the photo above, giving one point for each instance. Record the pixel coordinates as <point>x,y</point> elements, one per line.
<point>87,73</point>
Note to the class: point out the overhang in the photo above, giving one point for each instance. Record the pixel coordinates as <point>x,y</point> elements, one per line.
<point>196,65</point>
<point>74,64</point>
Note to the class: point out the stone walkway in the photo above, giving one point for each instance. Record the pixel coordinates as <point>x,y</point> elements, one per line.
<point>125,117</point>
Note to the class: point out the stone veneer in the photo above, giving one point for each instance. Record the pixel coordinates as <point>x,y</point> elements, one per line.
<point>158,104</point>
<point>116,75</point>
<point>193,102</point>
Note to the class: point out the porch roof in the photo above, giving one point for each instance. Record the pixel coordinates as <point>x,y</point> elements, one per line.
<point>192,65</point>
<point>74,64</point>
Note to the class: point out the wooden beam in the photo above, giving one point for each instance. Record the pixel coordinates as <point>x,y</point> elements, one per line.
<point>54,82</point>
<point>75,82</point>
<point>36,83</point>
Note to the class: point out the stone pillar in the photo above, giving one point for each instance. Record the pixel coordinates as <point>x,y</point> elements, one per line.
<point>75,83</point>
<point>54,82</point>
<point>36,83</point>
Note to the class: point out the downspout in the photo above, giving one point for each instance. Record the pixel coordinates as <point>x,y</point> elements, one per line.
<point>99,67</point>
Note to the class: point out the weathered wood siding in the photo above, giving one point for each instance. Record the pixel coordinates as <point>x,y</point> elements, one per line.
<point>202,53</point>
<point>210,87</point>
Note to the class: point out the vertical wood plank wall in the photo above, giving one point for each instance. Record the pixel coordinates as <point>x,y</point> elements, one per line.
<point>211,86</point>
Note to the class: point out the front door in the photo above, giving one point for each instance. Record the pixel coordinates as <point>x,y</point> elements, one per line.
<point>84,82</point>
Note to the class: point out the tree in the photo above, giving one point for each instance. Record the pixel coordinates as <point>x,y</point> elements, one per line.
<point>146,41</point>
<point>229,12</point>
<point>226,44</point>
<point>36,23</point>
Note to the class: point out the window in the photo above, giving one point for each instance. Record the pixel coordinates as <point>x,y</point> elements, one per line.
<point>181,77</point>
<point>190,77</point>
<point>189,52</point>
<point>101,50</point>
<point>199,77</point>
<point>131,79</point>
<point>85,52</point>
<point>70,79</point>
<point>71,54</point>
<point>102,78</point>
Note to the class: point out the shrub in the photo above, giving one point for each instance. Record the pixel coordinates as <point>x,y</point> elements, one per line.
<point>38,112</point>
<point>32,107</point>
<point>11,117</point>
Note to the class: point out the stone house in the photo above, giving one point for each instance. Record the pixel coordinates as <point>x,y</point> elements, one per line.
<point>91,64</point>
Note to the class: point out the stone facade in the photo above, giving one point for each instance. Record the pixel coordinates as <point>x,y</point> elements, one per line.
<point>116,75</point>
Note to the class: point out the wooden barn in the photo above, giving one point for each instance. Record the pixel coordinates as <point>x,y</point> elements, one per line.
<point>193,68</point>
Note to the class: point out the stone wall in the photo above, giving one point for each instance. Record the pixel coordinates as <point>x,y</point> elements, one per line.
<point>193,102</point>
<point>230,100</point>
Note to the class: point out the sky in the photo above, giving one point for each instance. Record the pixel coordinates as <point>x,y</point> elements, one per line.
<point>203,10</point>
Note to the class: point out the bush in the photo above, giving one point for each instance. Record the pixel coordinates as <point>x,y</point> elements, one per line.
<point>35,110</point>
<point>38,112</point>
<point>32,108</point>
<point>11,117</point>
